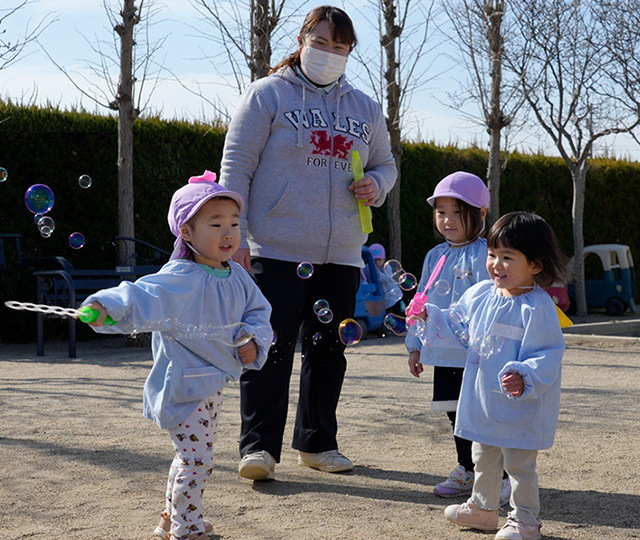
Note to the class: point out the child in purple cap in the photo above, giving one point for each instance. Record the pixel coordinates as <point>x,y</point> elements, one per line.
<point>210,322</point>
<point>460,203</point>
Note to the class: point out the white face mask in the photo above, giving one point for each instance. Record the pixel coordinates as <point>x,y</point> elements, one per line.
<point>322,67</point>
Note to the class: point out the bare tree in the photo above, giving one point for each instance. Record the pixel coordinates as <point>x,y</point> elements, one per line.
<point>479,34</point>
<point>404,27</point>
<point>578,87</point>
<point>123,92</point>
<point>10,50</point>
<point>245,35</point>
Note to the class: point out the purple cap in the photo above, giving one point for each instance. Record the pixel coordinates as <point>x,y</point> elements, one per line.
<point>464,186</point>
<point>186,202</point>
<point>377,250</point>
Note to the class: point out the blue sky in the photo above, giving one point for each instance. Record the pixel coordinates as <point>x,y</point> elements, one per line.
<point>82,22</point>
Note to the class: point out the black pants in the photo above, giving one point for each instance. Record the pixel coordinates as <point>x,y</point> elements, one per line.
<point>264,394</point>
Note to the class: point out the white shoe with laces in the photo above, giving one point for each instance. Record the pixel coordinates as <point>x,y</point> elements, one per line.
<point>329,461</point>
<point>514,530</point>
<point>257,466</point>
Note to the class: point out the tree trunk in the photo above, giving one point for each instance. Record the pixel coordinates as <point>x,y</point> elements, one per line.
<point>260,39</point>
<point>391,76</point>
<point>579,176</point>
<point>126,117</point>
<point>496,121</point>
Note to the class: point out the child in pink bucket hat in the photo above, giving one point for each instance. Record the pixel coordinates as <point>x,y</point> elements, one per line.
<point>210,323</point>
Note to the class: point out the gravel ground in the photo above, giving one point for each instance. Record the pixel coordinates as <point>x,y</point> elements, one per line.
<point>80,462</point>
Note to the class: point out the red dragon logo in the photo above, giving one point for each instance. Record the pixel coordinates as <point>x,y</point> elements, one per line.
<point>322,143</point>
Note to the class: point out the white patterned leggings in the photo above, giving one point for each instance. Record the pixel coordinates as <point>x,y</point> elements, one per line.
<point>193,442</point>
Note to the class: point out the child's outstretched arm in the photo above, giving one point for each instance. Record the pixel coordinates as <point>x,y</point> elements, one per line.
<point>100,309</point>
<point>248,352</point>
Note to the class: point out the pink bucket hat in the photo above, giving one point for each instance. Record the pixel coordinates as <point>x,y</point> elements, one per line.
<point>186,202</point>
<point>464,186</point>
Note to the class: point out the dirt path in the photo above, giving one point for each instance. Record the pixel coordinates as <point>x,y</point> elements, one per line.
<point>80,462</point>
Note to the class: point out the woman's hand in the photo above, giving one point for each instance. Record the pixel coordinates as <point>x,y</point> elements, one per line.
<point>415,367</point>
<point>365,189</point>
<point>243,258</point>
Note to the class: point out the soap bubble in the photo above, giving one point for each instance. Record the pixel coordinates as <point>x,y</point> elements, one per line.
<point>46,225</point>
<point>325,315</point>
<point>463,336</point>
<point>274,340</point>
<point>37,217</point>
<point>441,287</point>
<point>3,174</point>
<point>392,268</point>
<point>395,294</point>
<point>320,305</point>
<point>396,324</point>
<point>350,332</point>
<point>76,240</point>
<point>39,199</point>
<point>407,281</point>
<point>462,271</point>
<point>316,337</point>
<point>490,345</point>
<point>305,270</point>
<point>459,313</point>
<point>84,181</point>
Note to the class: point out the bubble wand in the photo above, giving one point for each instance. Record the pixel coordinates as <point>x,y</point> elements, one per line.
<point>85,314</point>
<point>365,211</point>
<point>420,299</point>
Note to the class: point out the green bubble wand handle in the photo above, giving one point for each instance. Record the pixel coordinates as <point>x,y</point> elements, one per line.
<point>365,211</point>
<point>90,315</point>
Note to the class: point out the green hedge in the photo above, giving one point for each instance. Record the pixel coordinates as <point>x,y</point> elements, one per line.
<point>45,145</point>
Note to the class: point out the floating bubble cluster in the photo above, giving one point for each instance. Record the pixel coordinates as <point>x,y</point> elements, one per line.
<point>395,323</point>
<point>39,199</point>
<point>319,305</point>
<point>46,225</point>
<point>350,332</point>
<point>84,181</point>
<point>462,271</point>
<point>305,270</point>
<point>3,174</point>
<point>316,337</point>
<point>76,240</point>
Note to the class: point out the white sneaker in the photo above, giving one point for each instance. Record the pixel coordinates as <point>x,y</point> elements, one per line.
<point>329,461</point>
<point>505,492</point>
<point>514,530</point>
<point>257,466</point>
<point>459,483</point>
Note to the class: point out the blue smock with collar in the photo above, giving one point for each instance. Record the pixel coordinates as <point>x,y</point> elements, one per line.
<point>465,266</point>
<point>193,315</point>
<point>504,334</point>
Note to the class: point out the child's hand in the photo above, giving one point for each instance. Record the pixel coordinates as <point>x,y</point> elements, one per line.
<point>415,367</point>
<point>100,309</point>
<point>248,352</point>
<point>513,384</point>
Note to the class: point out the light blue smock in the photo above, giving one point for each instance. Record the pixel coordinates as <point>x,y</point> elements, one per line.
<point>504,334</point>
<point>194,317</point>
<point>465,266</point>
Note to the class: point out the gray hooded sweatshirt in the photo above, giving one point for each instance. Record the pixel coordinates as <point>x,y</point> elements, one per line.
<point>293,169</point>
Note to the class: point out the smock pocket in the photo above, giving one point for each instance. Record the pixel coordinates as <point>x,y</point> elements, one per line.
<point>199,383</point>
<point>508,410</point>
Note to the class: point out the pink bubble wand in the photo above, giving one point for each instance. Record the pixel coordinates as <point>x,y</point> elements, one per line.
<point>416,306</point>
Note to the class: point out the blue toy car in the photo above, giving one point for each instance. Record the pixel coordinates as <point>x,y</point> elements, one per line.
<point>369,312</point>
<point>610,279</point>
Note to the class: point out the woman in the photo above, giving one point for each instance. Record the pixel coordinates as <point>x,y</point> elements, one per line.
<point>288,153</point>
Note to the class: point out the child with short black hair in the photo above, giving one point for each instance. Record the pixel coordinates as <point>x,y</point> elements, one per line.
<point>210,322</point>
<point>510,395</point>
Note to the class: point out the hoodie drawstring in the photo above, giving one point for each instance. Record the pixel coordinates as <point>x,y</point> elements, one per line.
<point>300,120</point>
